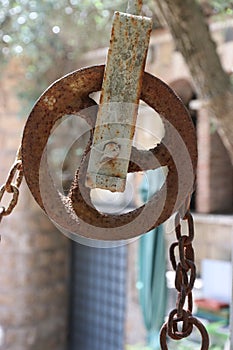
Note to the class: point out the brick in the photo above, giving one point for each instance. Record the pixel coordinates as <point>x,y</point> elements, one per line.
<point>214,172</point>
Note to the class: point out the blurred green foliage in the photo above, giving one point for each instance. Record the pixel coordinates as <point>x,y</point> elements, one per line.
<point>50,37</point>
<point>222,6</point>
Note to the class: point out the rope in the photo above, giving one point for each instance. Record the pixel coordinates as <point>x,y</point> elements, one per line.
<point>134,7</point>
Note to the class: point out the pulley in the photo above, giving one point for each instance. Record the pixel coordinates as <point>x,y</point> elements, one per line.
<point>109,155</point>
<point>75,212</point>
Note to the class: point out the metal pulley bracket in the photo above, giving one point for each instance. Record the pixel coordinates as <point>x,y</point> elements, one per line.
<point>118,107</point>
<point>75,213</point>
<point>109,154</point>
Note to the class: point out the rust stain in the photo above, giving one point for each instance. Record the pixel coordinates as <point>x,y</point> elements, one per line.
<point>76,212</point>
<point>121,85</point>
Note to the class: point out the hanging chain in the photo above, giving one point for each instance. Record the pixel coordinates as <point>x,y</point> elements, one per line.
<point>11,186</point>
<point>180,321</point>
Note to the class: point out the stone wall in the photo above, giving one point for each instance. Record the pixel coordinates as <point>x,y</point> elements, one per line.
<point>213,237</point>
<point>33,254</point>
<point>215,171</point>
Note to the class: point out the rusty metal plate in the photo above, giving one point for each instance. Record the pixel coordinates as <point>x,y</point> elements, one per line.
<point>134,7</point>
<point>118,108</point>
<point>75,212</point>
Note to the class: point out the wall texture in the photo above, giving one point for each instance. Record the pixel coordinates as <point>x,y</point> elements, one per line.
<point>33,255</point>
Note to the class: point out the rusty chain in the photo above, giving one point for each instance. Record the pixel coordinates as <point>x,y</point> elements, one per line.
<point>181,321</point>
<point>12,184</point>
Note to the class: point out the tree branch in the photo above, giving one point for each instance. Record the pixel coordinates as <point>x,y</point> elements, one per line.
<point>192,37</point>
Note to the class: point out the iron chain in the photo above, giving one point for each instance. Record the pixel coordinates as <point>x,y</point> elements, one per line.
<point>12,184</point>
<point>184,282</point>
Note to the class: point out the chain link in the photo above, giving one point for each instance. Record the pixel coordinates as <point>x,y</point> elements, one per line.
<point>12,184</point>
<point>180,321</point>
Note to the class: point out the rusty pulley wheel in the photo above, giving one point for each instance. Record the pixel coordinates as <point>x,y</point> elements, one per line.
<point>75,212</point>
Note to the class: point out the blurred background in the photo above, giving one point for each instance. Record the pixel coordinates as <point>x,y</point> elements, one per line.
<point>56,293</point>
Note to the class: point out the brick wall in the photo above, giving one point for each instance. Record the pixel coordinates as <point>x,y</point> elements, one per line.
<point>213,237</point>
<point>214,172</point>
<point>33,255</point>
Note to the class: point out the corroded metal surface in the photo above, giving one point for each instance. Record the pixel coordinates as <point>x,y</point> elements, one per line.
<point>75,213</point>
<point>192,321</point>
<point>180,320</point>
<point>134,7</point>
<point>183,264</point>
<point>116,119</point>
<point>11,186</point>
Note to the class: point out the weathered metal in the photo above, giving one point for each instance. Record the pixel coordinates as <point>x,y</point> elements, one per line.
<point>184,282</point>
<point>192,321</point>
<point>75,213</point>
<point>11,186</point>
<point>119,101</point>
<point>2,210</point>
<point>134,7</point>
